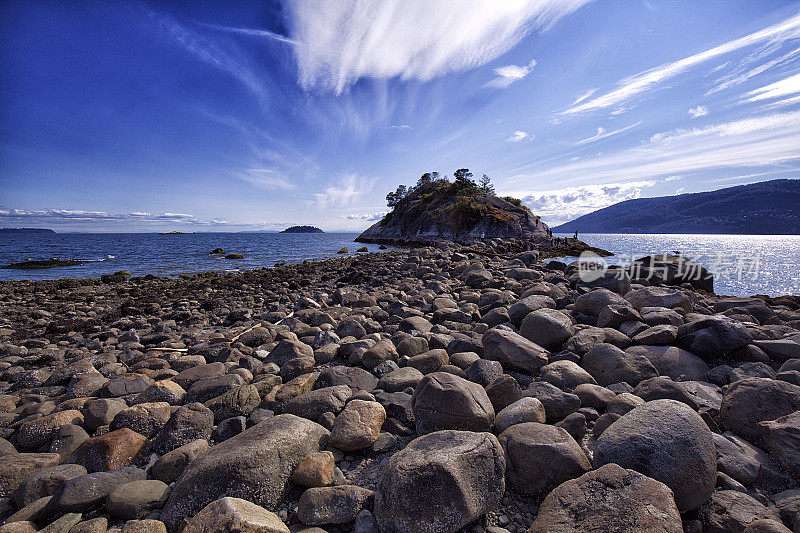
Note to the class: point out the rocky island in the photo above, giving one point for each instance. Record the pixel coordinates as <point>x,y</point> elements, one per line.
<point>441,388</point>
<point>302,229</point>
<point>464,211</point>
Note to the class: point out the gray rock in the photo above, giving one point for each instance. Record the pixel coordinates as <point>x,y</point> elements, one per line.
<point>513,350</point>
<point>608,364</point>
<point>750,401</point>
<point>234,514</point>
<point>557,403</point>
<point>523,410</point>
<point>255,465</point>
<point>566,375</point>
<point>440,482</point>
<point>136,499</point>
<point>540,457</point>
<point>333,505</point>
<point>444,401</point>
<point>672,361</point>
<point>610,498</point>
<point>730,511</point>
<point>713,336</point>
<point>668,441</point>
<point>188,423</point>
<point>547,327</point>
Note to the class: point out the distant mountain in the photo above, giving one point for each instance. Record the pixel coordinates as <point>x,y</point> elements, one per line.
<point>302,229</point>
<point>765,208</point>
<point>26,230</point>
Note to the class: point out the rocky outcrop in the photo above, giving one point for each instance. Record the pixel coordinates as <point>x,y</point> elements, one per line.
<point>440,211</point>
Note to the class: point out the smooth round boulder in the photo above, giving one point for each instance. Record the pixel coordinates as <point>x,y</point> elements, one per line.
<point>668,441</point>
<point>526,409</point>
<point>440,482</point>
<point>358,426</point>
<point>608,365</point>
<point>566,375</point>
<point>610,498</point>
<point>548,328</point>
<point>235,514</point>
<point>445,401</point>
<point>540,457</point>
<point>137,498</point>
<point>255,465</point>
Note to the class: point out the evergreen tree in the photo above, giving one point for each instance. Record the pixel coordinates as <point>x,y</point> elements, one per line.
<point>486,185</point>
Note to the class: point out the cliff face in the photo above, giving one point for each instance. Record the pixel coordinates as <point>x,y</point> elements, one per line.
<point>439,211</point>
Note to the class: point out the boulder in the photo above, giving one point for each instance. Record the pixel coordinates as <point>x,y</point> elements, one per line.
<point>235,514</point>
<point>608,365</point>
<point>513,350</point>
<point>144,418</point>
<point>85,493</point>
<point>656,296</point>
<point>18,467</point>
<point>35,433</point>
<point>557,403</point>
<point>45,482</point>
<point>748,402</point>
<point>255,465</point>
<point>731,511</point>
<point>672,270</point>
<point>540,457</point>
<point>109,451</point>
<point>188,423</point>
<point>171,465</point>
<point>400,379</point>
<point>782,440</point>
<point>136,499</point>
<point>566,375</point>
<point>333,505</point>
<point>593,302</point>
<point>547,327</point>
<point>713,336</point>
<point>312,404</point>
<point>672,361</point>
<point>668,441</point>
<point>440,482</point>
<point>524,410</point>
<point>445,401</point>
<point>610,498</point>
<point>358,426</point>
<point>315,470</point>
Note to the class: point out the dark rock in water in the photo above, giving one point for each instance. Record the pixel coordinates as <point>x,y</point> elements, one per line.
<point>672,270</point>
<point>342,251</point>
<point>234,256</point>
<point>302,229</point>
<point>217,251</point>
<point>45,263</point>
<point>362,249</point>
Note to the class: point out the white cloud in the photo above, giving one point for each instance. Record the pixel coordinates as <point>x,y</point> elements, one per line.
<point>699,111</point>
<point>252,32</point>
<point>603,134</point>
<point>673,178</point>
<point>345,194</point>
<point>265,178</point>
<point>584,95</point>
<point>519,136</point>
<point>644,81</point>
<point>764,141</point>
<point>62,216</point>
<point>745,69</point>
<point>680,190</point>
<point>785,87</point>
<point>738,127</point>
<point>568,203</point>
<point>508,74</point>
<point>342,41</point>
<point>370,217</point>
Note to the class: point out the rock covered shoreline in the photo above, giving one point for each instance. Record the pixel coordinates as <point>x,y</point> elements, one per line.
<point>435,389</point>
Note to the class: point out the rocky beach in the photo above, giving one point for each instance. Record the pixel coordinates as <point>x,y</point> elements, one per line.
<point>446,388</point>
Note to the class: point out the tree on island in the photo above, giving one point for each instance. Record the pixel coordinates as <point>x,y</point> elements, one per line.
<point>486,186</point>
<point>463,179</point>
<point>393,198</point>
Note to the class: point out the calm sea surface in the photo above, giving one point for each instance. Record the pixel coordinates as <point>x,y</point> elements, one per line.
<point>742,265</point>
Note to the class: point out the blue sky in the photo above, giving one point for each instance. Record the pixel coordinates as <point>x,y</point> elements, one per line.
<point>224,116</point>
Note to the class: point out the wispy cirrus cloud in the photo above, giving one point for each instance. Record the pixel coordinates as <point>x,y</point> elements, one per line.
<point>634,85</point>
<point>508,74</point>
<point>785,87</point>
<point>369,217</point>
<point>342,41</point>
<point>603,134</point>
<point>766,141</point>
<point>265,178</point>
<point>347,193</point>
<point>519,136</point>
<point>699,111</point>
<point>252,32</point>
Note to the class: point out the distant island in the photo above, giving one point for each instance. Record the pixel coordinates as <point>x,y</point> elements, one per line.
<point>765,208</point>
<point>302,229</point>
<point>436,209</point>
<point>26,230</point>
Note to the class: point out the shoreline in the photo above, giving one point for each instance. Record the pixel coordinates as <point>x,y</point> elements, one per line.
<point>217,382</point>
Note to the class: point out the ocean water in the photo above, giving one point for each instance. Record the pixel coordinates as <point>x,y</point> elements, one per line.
<point>165,255</point>
<point>742,265</point>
